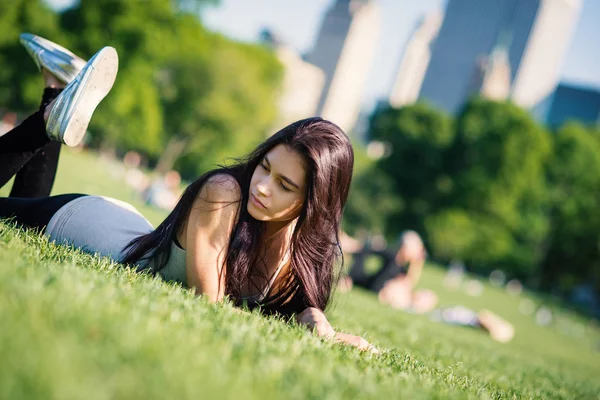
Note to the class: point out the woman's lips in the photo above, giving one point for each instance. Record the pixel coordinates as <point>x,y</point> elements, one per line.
<point>256,201</point>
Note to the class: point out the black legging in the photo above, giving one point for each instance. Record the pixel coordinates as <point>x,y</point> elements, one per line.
<point>34,213</point>
<point>29,154</point>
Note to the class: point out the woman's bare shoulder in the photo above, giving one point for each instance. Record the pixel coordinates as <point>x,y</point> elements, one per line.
<point>220,188</point>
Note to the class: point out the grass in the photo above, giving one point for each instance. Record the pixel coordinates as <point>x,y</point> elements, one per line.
<point>76,326</point>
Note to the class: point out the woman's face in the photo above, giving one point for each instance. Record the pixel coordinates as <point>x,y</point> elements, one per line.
<point>278,186</point>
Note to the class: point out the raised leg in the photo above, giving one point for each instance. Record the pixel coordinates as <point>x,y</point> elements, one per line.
<point>36,177</point>
<point>19,145</point>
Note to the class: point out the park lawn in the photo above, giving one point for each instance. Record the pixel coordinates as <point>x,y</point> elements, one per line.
<point>76,326</point>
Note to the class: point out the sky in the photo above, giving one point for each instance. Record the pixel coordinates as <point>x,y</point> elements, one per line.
<point>297,22</point>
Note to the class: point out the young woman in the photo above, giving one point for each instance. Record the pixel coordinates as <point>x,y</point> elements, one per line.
<point>263,232</point>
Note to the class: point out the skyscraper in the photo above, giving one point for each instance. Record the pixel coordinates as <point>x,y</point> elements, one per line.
<point>301,87</point>
<point>302,82</point>
<point>492,81</point>
<point>548,43</point>
<point>538,32</point>
<point>415,60</point>
<point>344,50</point>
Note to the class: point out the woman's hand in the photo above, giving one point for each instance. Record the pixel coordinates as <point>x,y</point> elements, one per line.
<point>315,320</point>
<point>355,341</point>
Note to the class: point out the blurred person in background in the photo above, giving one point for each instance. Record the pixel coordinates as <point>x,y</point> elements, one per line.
<point>396,281</point>
<point>395,284</point>
<point>263,232</point>
<point>134,176</point>
<point>164,191</point>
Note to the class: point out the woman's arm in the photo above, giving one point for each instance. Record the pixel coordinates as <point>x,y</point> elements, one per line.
<point>209,228</point>
<point>315,320</point>
<point>415,268</point>
<point>415,255</point>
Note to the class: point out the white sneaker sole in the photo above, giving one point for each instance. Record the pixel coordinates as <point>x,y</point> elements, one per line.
<point>99,79</point>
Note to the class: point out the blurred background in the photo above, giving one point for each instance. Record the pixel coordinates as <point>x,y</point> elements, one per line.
<point>476,123</point>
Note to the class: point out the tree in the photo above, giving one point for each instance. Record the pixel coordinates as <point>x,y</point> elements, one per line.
<point>198,94</point>
<point>573,255</point>
<point>419,136</point>
<point>499,212</point>
<point>372,198</point>
<point>219,96</point>
<point>20,82</point>
<point>131,117</point>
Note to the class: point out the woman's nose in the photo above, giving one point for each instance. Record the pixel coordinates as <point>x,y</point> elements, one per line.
<point>263,187</point>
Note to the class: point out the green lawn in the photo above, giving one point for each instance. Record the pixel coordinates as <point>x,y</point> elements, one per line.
<point>75,326</point>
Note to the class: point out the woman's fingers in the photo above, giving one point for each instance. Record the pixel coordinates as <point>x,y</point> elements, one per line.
<point>315,320</point>
<point>355,341</point>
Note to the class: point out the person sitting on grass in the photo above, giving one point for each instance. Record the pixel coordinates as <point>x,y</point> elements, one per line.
<point>395,283</point>
<point>262,232</point>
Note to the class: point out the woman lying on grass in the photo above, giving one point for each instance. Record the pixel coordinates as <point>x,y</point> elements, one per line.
<point>263,232</point>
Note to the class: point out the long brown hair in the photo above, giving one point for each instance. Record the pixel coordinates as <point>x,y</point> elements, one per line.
<point>315,247</point>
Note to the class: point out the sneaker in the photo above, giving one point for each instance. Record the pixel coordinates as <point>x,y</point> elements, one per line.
<point>74,106</point>
<point>48,55</point>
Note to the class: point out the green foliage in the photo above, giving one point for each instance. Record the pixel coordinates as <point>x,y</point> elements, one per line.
<point>476,187</point>
<point>224,107</point>
<point>498,154</point>
<point>497,164</point>
<point>131,116</point>
<point>371,199</point>
<point>179,81</point>
<point>418,136</point>
<point>460,234</point>
<point>20,81</point>
<point>573,255</point>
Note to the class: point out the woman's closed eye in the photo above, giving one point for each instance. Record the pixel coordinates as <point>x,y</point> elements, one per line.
<point>266,167</point>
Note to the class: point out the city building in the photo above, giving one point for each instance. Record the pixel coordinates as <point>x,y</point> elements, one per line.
<point>571,103</point>
<point>301,88</point>
<point>539,30</point>
<point>302,82</point>
<point>415,60</point>
<point>492,78</point>
<point>344,51</point>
